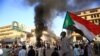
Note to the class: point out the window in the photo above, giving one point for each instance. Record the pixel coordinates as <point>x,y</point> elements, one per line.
<point>97,15</point>
<point>85,17</point>
<point>94,16</point>
<point>91,16</point>
<point>79,38</point>
<point>78,13</point>
<point>96,21</point>
<point>93,21</point>
<point>99,22</point>
<point>93,10</point>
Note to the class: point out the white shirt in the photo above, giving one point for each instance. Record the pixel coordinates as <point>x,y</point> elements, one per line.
<point>65,47</point>
<point>1,51</point>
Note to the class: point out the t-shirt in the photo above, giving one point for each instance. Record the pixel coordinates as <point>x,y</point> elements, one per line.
<point>66,47</point>
<point>81,51</point>
<point>76,52</point>
<point>22,53</point>
<point>1,51</point>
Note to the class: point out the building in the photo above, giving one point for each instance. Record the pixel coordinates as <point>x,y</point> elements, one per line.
<point>12,31</point>
<point>93,15</point>
<point>22,34</point>
<point>47,37</point>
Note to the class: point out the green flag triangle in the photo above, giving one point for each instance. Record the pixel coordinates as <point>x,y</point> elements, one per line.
<point>68,21</point>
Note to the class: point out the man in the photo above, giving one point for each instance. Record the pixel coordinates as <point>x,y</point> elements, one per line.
<point>1,51</point>
<point>90,49</point>
<point>23,51</point>
<point>55,52</point>
<point>31,52</point>
<point>65,45</point>
<point>6,51</point>
<point>76,50</point>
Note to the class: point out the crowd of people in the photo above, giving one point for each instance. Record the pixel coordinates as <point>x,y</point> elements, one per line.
<point>77,50</point>
<point>64,48</point>
<point>83,50</point>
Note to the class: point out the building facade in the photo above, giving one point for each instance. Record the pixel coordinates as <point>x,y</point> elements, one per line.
<point>93,15</point>
<point>47,37</point>
<point>12,31</point>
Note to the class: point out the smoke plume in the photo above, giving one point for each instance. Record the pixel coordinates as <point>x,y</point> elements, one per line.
<point>45,11</point>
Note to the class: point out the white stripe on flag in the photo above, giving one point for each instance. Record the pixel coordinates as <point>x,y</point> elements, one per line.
<point>89,35</point>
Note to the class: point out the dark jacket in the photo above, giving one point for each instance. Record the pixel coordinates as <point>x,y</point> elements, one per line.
<point>31,52</point>
<point>55,53</point>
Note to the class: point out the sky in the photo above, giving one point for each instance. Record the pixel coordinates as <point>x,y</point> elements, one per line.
<point>12,10</point>
<point>15,10</point>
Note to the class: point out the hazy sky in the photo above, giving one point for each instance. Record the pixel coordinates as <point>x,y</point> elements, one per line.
<point>15,10</point>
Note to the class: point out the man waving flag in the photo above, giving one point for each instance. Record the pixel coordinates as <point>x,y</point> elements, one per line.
<point>80,25</point>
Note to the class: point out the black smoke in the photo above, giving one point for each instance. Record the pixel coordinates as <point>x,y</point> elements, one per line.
<point>45,11</point>
<point>40,22</point>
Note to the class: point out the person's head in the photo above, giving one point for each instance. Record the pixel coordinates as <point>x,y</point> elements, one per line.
<point>63,34</point>
<point>76,46</point>
<point>7,46</point>
<point>31,47</point>
<point>55,49</point>
<point>81,46</point>
<point>24,47</point>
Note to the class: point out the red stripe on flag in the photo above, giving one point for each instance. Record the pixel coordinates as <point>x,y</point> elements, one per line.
<point>90,26</point>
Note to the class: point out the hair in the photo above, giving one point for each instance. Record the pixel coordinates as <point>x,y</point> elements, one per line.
<point>76,46</point>
<point>55,49</point>
<point>7,46</point>
<point>31,47</point>
<point>23,47</point>
<point>63,34</point>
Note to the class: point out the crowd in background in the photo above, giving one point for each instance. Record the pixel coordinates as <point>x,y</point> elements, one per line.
<point>63,48</point>
<point>87,49</point>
